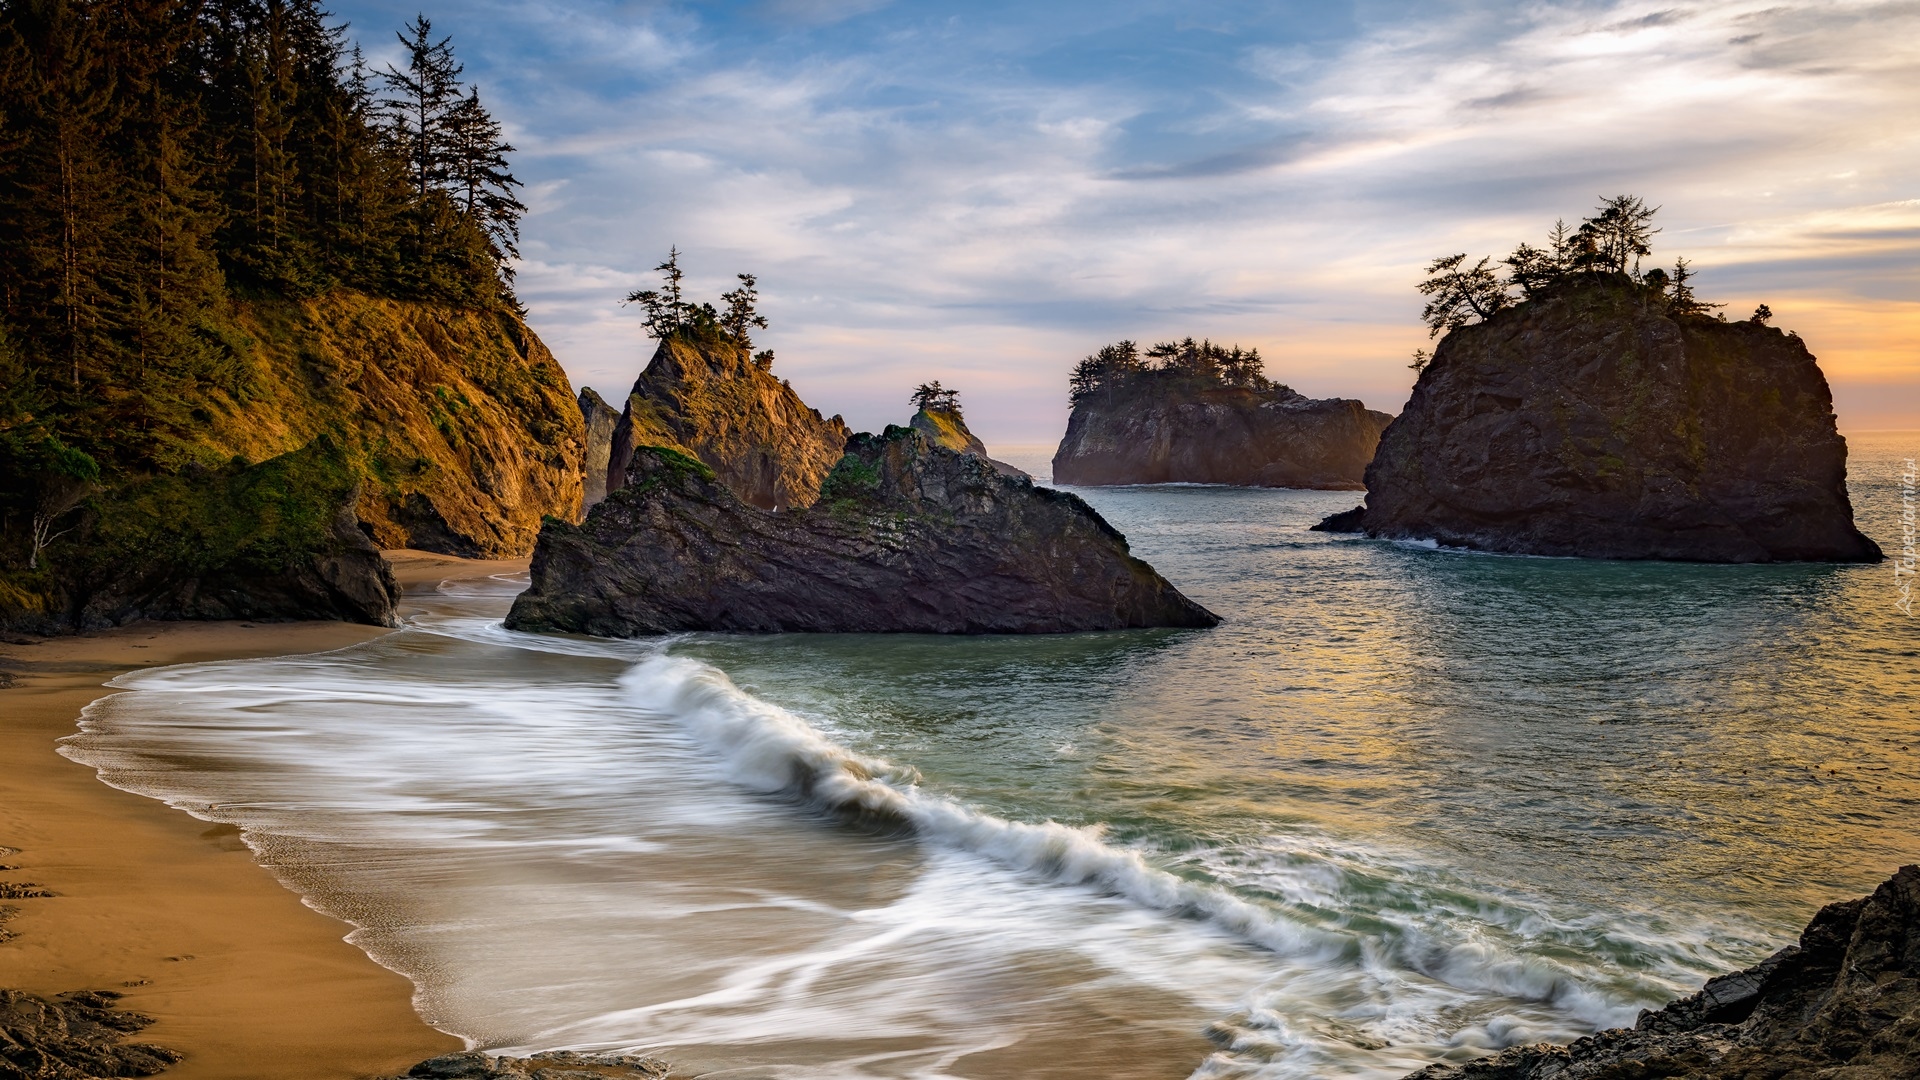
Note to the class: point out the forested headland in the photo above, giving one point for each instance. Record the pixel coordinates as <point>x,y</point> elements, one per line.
<point>203,202</point>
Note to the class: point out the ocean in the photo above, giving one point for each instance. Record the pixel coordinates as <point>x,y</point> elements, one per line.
<point>1404,805</point>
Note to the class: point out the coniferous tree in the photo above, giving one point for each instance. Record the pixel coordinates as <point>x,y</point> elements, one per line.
<point>1460,293</point>
<point>480,178</point>
<point>156,156</point>
<point>423,97</point>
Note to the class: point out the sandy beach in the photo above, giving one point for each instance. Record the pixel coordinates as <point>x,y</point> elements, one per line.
<point>242,978</point>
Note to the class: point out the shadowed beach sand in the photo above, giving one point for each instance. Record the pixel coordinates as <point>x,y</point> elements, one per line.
<point>242,978</point>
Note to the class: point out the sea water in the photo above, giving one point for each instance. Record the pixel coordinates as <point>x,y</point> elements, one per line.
<point>1404,805</point>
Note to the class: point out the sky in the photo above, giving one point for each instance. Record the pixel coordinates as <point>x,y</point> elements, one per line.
<point>983,193</point>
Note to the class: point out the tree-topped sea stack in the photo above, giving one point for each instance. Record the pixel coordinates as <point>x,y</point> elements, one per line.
<point>1608,414</point>
<point>709,395</point>
<point>938,417</point>
<point>907,536</point>
<point>1195,412</point>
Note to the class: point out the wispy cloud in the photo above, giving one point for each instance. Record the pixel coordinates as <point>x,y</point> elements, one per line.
<point>986,193</point>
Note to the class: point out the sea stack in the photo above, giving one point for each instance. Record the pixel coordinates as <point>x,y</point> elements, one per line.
<point>1596,421</point>
<point>601,419</point>
<point>907,536</point>
<point>946,427</point>
<point>1198,413</point>
<point>705,396</point>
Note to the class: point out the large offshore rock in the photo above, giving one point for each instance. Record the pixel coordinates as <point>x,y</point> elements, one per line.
<point>705,397</point>
<point>1162,432</point>
<point>1594,422</point>
<point>600,419</point>
<point>1843,1004</point>
<point>946,427</point>
<point>907,536</point>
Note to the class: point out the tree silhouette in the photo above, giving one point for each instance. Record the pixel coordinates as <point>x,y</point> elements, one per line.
<point>933,397</point>
<point>741,318</point>
<point>478,175</point>
<point>1762,313</point>
<point>1617,237</point>
<point>424,96</point>
<point>1459,295</point>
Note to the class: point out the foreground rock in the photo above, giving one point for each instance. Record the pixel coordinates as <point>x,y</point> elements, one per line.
<point>1268,437</point>
<point>945,427</point>
<point>74,1037</point>
<point>907,537</point>
<point>279,540</point>
<point>705,397</point>
<point>553,1065</point>
<point>1593,422</point>
<point>1843,1004</point>
<point>601,419</point>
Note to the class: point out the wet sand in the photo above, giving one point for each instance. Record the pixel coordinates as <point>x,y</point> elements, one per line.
<point>242,978</point>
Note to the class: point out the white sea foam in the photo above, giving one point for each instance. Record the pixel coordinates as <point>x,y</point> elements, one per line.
<point>770,750</point>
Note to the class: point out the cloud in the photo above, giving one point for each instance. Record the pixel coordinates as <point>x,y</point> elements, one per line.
<point>983,194</point>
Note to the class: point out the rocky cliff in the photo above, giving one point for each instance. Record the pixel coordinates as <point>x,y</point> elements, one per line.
<point>705,397</point>
<point>1162,433</point>
<point>600,420</point>
<point>946,427</point>
<point>1844,1003</point>
<point>461,422</point>
<point>1592,421</point>
<point>341,424</point>
<point>907,536</point>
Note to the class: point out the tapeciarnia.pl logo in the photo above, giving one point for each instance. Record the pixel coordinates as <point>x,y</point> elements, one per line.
<point>1903,567</point>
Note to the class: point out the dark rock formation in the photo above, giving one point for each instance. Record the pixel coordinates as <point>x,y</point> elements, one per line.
<point>73,1037</point>
<point>707,398</point>
<point>273,541</point>
<point>1346,521</point>
<point>1843,1004</point>
<point>1159,434</point>
<point>907,537</point>
<point>1593,422</point>
<point>600,419</point>
<point>552,1065</point>
<point>946,428</point>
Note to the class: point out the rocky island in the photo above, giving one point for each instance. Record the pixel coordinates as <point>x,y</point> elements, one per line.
<point>1606,415</point>
<point>709,396</point>
<point>907,536</point>
<point>1843,1002</point>
<point>1195,412</point>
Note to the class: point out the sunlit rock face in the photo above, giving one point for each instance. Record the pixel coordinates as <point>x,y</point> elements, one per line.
<point>1594,422</point>
<point>1275,437</point>
<point>907,536</point>
<point>707,398</point>
<point>945,427</point>
<point>1844,1002</point>
<point>600,419</point>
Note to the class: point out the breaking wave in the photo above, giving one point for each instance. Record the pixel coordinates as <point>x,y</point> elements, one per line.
<point>772,751</point>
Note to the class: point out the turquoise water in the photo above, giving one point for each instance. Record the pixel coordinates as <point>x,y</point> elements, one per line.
<point>1403,805</point>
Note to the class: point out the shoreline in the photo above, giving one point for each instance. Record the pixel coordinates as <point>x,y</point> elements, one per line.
<point>240,975</point>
